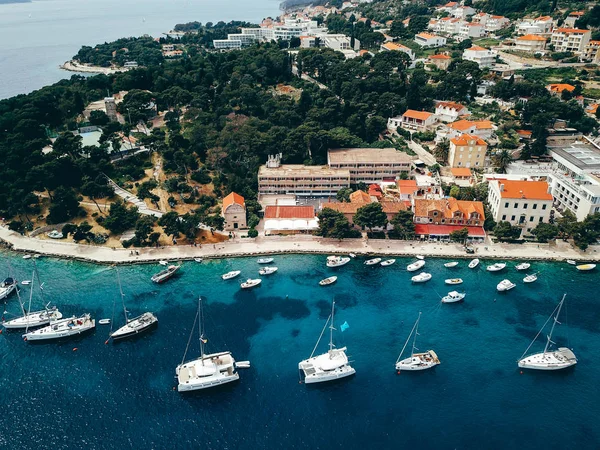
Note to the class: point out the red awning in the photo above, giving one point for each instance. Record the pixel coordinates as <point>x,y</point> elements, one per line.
<point>445,230</point>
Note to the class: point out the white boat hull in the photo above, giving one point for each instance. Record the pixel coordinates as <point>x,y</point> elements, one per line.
<point>32,320</point>
<point>473,264</point>
<point>334,261</point>
<point>341,372</point>
<point>453,281</point>
<point>556,360</point>
<point>419,361</point>
<point>222,366</point>
<point>56,331</point>
<point>135,326</point>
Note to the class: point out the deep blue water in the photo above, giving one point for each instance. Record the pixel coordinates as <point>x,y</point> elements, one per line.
<point>122,395</point>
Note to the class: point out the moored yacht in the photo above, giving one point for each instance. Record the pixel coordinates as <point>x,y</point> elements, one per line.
<point>230,275</point>
<point>164,275</point>
<point>415,266</point>
<point>454,297</point>
<point>453,281</point>
<point>337,261</point>
<point>505,285</point>
<point>328,366</point>
<point>264,260</point>
<point>267,270</point>
<point>530,278</point>
<point>209,370</point>
<point>372,262</point>
<point>250,283</point>
<point>585,267</point>
<point>496,267</point>
<point>328,281</point>
<point>523,266</point>
<point>421,278</point>
<point>7,287</point>
<point>70,326</point>
<point>558,359</point>
<point>416,361</point>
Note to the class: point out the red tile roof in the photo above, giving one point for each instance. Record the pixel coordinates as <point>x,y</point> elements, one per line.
<point>231,199</point>
<point>289,212</point>
<point>420,115</point>
<point>463,140</point>
<point>533,190</point>
<point>461,171</point>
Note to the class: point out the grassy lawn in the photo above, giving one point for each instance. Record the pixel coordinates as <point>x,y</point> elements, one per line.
<point>486,42</point>
<point>592,93</point>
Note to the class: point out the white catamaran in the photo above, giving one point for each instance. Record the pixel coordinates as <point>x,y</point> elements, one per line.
<point>207,371</point>
<point>134,326</point>
<point>328,366</point>
<point>32,319</point>
<point>558,359</point>
<point>416,361</point>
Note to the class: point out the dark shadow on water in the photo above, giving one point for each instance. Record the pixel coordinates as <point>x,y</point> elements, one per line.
<point>471,321</point>
<point>295,332</point>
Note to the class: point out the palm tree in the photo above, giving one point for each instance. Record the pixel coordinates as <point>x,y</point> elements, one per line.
<point>502,160</point>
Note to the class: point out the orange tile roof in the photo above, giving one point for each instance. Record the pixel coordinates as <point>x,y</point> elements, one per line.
<point>438,57</point>
<point>420,115</point>
<point>427,35</point>
<point>363,52</point>
<point>577,13</point>
<point>448,207</point>
<point>592,108</point>
<point>477,48</point>
<point>463,140</point>
<point>407,186</point>
<point>533,190</point>
<point>394,46</point>
<point>531,37</point>
<point>231,199</point>
<point>462,125</point>
<point>570,30</point>
<point>498,17</point>
<point>289,212</point>
<point>393,207</point>
<point>593,43</point>
<point>544,18</point>
<point>524,133</point>
<point>360,197</point>
<point>559,87</point>
<point>461,172</point>
<point>451,105</point>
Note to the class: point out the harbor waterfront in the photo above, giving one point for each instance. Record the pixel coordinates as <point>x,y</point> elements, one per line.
<point>124,394</point>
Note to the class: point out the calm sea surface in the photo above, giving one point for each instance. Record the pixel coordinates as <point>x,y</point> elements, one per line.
<point>122,395</point>
<point>35,38</point>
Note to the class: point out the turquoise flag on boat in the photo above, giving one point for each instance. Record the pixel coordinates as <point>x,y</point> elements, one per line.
<point>344,326</point>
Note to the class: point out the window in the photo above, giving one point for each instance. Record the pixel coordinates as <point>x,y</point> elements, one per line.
<point>504,217</point>
<point>516,205</point>
<point>512,217</point>
<point>535,206</point>
<point>541,218</point>
<point>544,206</point>
<point>506,205</point>
<point>524,205</point>
<point>531,219</point>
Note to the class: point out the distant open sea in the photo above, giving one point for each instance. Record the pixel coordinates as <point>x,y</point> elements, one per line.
<point>122,395</point>
<point>36,37</point>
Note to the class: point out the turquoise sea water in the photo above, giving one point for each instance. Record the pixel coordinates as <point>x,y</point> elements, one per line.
<point>121,395</point>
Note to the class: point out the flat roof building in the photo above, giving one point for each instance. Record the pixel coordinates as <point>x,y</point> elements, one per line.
<point>369,165</point>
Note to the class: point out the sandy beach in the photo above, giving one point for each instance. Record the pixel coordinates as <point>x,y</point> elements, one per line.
<point>292,244</point>
<point>74,66</point>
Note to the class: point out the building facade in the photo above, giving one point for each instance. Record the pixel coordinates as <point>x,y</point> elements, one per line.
<point>570,40</point>
<point>530,43</point>
<point>436,219</point>
<point>427,40</point>
<point>413,120</point>
<point>450,111</point>
<point>482,56</point>
<point>522,203</point>
<point>467,151</point>
<point>234,212</point>
<point>369,165</point>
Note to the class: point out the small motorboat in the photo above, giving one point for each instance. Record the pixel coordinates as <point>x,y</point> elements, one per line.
<point>104,322</point>
<point>415,266</point>
<point>230,275</point>
<point>505,285</point>
<point>387,262</point>
<point>337,261</point>
<point>26,256</point>
<point>264,260</point>
<point>242,364</point>
<point>26,282</point>
<point>198,260</point>
<point>585,267</point>
<point>55,234</point>
<point>496,267</point>
<point>164,275</point>
<point>454,297</point>
<point>453,281</point>
<point>474,263</point>
<point>523,266</point>
<point>7,287</point>
<point>421,278</point>
<point>572,262</point>
<point>530,278</point>
<point>372,262</point>
<point>451,264</point>
<point>163,263</point>
<point>327,281</point>
<point>421,257</point>
<point>267,270</point>
<point>249,283</point>
<point>352,255</point>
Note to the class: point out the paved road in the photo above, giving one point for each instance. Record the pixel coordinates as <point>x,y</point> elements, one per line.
<point>422,154</point>
<point>130,198</point>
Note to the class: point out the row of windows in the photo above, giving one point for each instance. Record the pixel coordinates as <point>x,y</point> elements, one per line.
<point>525,205</point>
<point>522,219</point>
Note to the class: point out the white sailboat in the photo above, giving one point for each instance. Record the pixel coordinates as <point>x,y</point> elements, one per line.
<point>133,326</point>
<point>250,283</point>
<point>523,266</point>
<point>558,359</point>
<point>207,371</point>
<point>530,278</point>
<point>7,287</point>
<point>327,281</point>
<point>63,328</point>
<point>387,262</point>
<point>416,361</point>
<point>453,281</point>
<point>32,319</point>
<point>328,366</point>
<point>264,260</point>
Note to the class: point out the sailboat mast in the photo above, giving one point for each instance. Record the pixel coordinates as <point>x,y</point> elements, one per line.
<point>415,338</point>
<point>549,337</point>
<point>201,329</point>
<point>122,296</point>
<point>331,326</point>
<point>30,295</point>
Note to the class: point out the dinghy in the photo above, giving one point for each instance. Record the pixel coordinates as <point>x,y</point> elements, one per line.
<point>328,281</point>
<point>451,264</point>
<point>453,281</point>
<point>387,262</point>
<point>474,263</point>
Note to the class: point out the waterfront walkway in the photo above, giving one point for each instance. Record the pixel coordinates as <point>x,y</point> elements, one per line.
<point>293,244</point>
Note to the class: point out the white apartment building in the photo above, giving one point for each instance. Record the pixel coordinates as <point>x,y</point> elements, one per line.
<point>482,56</point>
<point>591,52</point>
<point>413,120</point>
<point>429,40</point>
<point>570,40</point>
<point>470,30</point>
<point>394,47</point>
<point>480,128</point>
<point>338,42</point>
<point>496,23</point>
<point>575,182</point>
<point>522,203</point>
<point>540,25</point>
<point>572,18</point>
<point>462,12</point>
<point>531,43</point>
<point>370,165</point>
<point>227,44</point>
<point>450,111</point>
